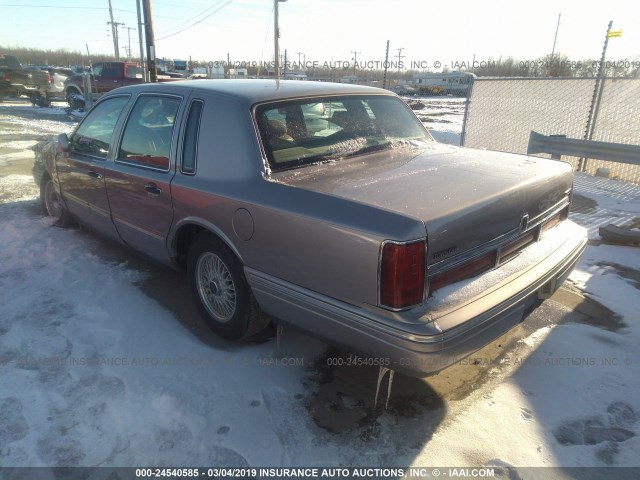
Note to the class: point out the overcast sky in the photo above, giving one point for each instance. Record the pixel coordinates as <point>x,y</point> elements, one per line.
<point>325,30</point>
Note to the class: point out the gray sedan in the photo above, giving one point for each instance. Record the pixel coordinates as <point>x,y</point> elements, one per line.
<point>323,206</point>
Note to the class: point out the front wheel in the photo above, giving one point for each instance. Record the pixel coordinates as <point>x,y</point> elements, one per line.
<point>75,99</point>
<point>221,290</point>
<point>52,204</point>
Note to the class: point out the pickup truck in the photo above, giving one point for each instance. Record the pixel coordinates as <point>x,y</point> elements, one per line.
<point>16,81</point>
<point>105,77</point>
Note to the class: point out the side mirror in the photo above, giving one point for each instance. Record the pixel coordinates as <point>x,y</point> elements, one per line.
<point>63,141</point>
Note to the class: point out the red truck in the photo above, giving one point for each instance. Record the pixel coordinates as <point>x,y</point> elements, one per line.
<point>105,77</point>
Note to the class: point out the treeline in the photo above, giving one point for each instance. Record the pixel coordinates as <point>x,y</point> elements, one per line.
<point>557,66</point>
<point>56,58</point>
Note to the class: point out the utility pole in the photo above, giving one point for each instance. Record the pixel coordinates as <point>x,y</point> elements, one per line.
<point>399,56</point>
<point>386,66</point>
<point>129,35</point>
<point>355,61</point>
<point>151,48</point>
<point>114,32</point>
<point>276,38</point>
<point>145,77</point>
<point>284,70</point>
<point>88,56</point>
<point>299,53</point>
<point>114,28</point>
<point>555,38</point>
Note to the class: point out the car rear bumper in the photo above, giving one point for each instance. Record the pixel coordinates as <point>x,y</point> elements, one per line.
<point>423,342</point>
<point>29,90</point>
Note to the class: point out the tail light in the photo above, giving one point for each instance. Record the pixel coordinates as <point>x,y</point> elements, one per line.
<point>483,263</point>
<point>402,274</point>
<point>466,270</point>
<point>5,77</point>
<point>513,248</point>
<point>48,78</point>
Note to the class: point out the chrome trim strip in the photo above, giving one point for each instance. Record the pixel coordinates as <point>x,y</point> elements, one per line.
<point>567,264</point>
<point>310,300</point>
<point>84,203</point>
<point>461,258</point>
<point>368,321</point>
<point>150,233</point>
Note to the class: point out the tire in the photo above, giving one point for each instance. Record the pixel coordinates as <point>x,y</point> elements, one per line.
<point>221,291</point>
<point>41,100</point>
<point>74,99</point>
<point>52,204</point>
<point>44,101</point>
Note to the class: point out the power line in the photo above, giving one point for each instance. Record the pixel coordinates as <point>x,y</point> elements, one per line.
<point>192,18</point>
<point>50,6</point>
<point>199,21</point>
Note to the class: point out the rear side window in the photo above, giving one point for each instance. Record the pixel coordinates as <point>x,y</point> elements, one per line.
<point>147,136</point>
<point>93,136</point>
<point>131,71</point>
<point>111,70</point>
<point>191,133</point>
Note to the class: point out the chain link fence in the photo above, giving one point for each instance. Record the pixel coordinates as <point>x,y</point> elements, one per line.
<point>502,112</point>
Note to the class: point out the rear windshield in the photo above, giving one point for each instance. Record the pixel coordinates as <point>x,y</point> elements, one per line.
<point>9,61</point>
<point>301,132</point>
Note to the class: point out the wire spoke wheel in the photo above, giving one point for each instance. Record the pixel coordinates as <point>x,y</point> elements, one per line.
<point>216,287</point>
<point>223,297</point>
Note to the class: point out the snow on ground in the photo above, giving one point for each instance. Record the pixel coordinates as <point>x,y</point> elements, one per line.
<point>95,371</point>
<point>442,116</point>
<point>574,399</point>
<point>617,202</point>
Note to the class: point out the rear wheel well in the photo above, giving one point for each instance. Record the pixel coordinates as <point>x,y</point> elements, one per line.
<point>72,90</point>
<point>184,238</point>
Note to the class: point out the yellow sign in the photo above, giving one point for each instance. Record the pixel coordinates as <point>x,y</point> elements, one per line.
<point>614,33</point>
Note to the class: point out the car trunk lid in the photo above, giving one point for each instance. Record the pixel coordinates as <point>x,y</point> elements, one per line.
<point>466,198</point>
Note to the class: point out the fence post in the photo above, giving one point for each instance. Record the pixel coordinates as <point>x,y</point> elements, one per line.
<point>466,111</point>
<point>597,94</point>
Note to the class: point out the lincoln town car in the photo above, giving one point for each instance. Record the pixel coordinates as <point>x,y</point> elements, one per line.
<point>325,207</point>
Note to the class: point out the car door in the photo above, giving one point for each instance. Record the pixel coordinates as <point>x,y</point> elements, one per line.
<point>81,169</point>
<point>138,181</point>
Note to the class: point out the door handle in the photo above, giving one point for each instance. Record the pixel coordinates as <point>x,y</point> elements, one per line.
<point>94,174</point>
<point>152,188</point>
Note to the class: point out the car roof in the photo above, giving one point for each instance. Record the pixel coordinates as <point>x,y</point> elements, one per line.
<point>256,91</point>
